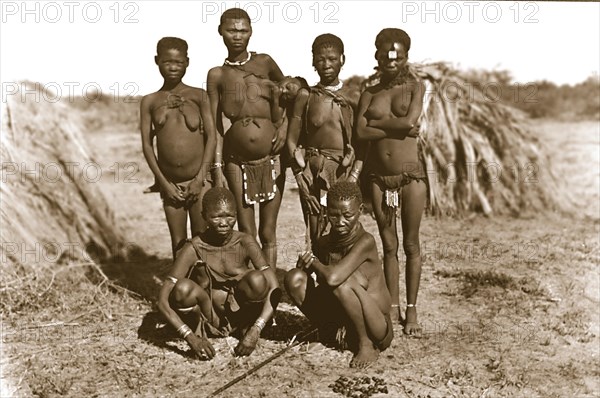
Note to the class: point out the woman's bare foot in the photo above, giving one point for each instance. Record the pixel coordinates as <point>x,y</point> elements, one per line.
<point>366,355</point>
<point>411,326</point>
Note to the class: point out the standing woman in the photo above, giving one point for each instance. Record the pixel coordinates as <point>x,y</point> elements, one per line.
<point>387,119</point>
<point>243,90</point>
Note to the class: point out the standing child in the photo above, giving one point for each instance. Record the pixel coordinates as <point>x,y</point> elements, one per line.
<point>322,120</point>
<point>179,116</point>
<point>351,290</point>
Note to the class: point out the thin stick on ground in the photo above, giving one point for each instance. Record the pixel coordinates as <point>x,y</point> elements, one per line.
<point>263,363</point>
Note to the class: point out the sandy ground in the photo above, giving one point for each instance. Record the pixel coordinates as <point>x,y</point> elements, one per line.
<point>509,306</point>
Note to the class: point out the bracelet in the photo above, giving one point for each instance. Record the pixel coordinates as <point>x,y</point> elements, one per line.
<point>216,165</point>
<point>260,324</point>
<point>410,305</point>
<point>355,173</point>
<point>172,279</point>
<point>184,331</point>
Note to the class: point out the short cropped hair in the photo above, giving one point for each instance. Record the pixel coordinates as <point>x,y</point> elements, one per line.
<point>328,40</point>
<point>234,13</point>
<point>393,35</point>
<point>344,190</point>
<point>168,43</point>
<point>217,195</point>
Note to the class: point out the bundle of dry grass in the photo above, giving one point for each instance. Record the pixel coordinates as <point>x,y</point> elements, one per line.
<point>477,151</point>
<point>52,209</point>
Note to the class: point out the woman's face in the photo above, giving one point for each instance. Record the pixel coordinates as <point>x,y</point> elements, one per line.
<point>391,58</point>
<point>328,61</point>
<point>172,64</point>
<point>220,217</point>
<point>236,34</point>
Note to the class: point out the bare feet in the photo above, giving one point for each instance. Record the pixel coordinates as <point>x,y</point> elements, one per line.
<point>248,343</point>
<point>366,355</point>
<point>411,326</point>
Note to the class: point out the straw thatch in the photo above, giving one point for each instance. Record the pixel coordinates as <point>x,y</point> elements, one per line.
<point>478,153</point>
<point>52,208</point>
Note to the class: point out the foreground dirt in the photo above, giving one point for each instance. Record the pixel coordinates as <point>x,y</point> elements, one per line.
<point>509,306</point>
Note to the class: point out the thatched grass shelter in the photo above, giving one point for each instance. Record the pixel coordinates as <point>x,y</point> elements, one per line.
<point>478,152</point>
<point>52,209</point>
<point>52,206</point>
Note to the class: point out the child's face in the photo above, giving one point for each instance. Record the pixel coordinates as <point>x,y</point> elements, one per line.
<point>220,217</point>
<point>289,87</point>
<point>236,34</point>
<point>172,64</point>
<point>391,58</point>
<point>343,215</point>
<point>328,62</point>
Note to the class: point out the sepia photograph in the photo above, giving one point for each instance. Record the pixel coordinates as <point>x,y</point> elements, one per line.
<point>300,199</point>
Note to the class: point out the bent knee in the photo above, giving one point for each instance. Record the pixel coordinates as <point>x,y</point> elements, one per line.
<point>254,286</point>
<point>295,282</point>
<point>294,279</point>
<point>183,291</point>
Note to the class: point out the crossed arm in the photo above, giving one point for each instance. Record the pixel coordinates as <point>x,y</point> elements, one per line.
<point>335,275</point>
<point>394,126</point>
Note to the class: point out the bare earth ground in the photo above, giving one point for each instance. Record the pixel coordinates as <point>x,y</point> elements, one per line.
<point>509,306</point>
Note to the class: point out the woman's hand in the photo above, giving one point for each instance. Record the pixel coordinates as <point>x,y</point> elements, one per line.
<point>305,260</point>
<point>314,207</point>
<point>201,346</point>
<point>414,131</point>
<point>299,158</point>
<point>193,190</point>
<point>218,177</point>
<point>172,193</point>
<point>248,343</point>
<point>348,156</point>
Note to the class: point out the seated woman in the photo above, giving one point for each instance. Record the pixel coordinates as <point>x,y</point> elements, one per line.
<point>351,289</point>
<point>212,286</point>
